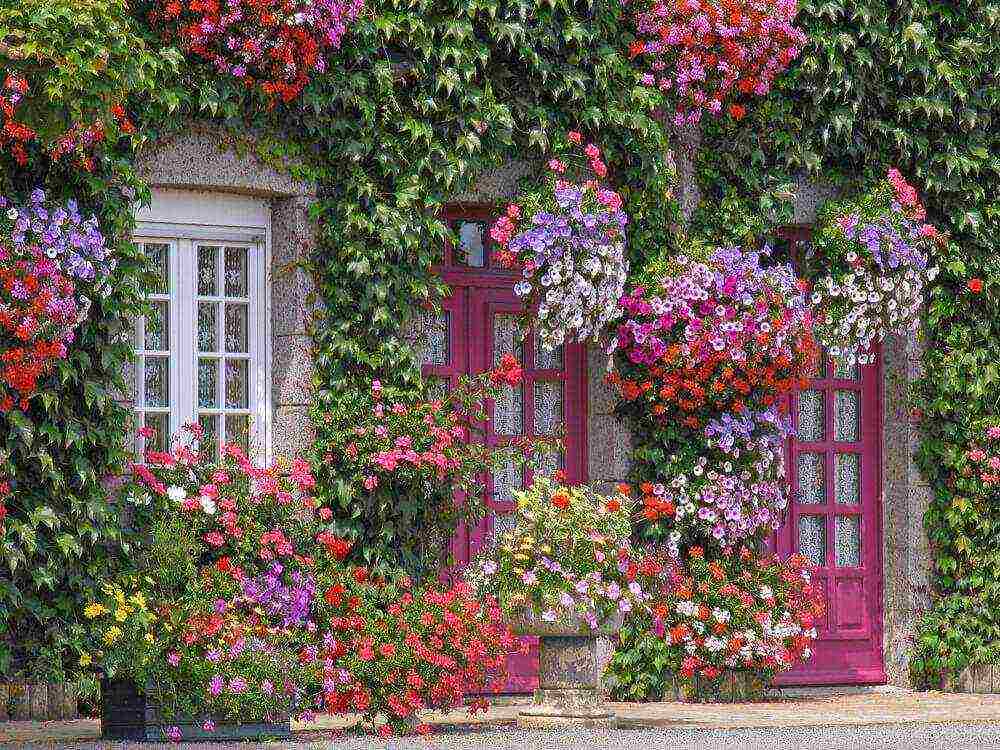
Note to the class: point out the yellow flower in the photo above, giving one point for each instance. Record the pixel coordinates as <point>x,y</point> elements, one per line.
<point>149,637</point>
<point>112,634</point>
<point>138,600</point>
<point>86,660</point>
<point>93,610</point>
<point>122,614</point>
<point>120,597</point>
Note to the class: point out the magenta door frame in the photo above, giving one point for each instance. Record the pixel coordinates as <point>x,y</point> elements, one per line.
<point>477,295</point>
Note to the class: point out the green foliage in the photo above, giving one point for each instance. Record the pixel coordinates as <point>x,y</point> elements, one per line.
<point>643,664</point>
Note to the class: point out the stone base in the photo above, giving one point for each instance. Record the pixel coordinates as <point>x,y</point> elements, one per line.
<point>563,722</point>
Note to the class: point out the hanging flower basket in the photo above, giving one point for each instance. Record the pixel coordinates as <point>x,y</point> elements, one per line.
<point>711,56</point>
<point>53,263</point>
<point>872,262</point>
<point>273,45</point>
<point>567,238</point>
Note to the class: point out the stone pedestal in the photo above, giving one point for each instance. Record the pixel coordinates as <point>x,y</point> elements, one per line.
<point>569,675</point>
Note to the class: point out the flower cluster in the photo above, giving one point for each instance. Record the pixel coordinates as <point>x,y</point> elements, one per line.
<point>395,650</point>
<point>715,336</point>
<point>704,53</point>
<point>244,607</point>
<point>568,239</point>
<point>14,135</point>
<point>272,45</point>
<point>876,256</point>
<point>568,555</point>
<point>429,451</point>
<point>978,475</point>
<point>737,613</point>
<point>52,264</point>
<point>79,142</point>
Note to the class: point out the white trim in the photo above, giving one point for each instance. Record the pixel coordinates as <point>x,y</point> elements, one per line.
<point>152,229</point>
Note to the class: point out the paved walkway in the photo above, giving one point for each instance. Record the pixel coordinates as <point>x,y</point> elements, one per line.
<point>927,721</point>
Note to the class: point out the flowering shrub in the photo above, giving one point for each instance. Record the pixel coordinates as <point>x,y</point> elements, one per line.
<point>395,651</point>
<point>875,266</point>
<point>273,45</point>
<point>411,458</point>
<point>705,53</point>
<point>52,264</point>
<point>569,553</point>
<point>568,239</point>
<point>738,613</point>
<point>244,609</point>
<point>722,335</point>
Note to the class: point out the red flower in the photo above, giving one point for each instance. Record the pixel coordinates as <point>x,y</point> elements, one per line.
<point>975,285</point>
<point>360,575</point>
<point>560,500</point>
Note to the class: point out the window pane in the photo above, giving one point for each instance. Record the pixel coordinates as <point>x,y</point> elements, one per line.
<point>208,383</point>
<point>504,525</point>
<point>237,284</point>
<point>812,417</point>
<point>549,464</point>
<point>846,426</point>
<point>506,479</point>
<point>812,478</point>
<point>236,329</point>
<point>208,326</point>
<point>847,542</point>
<point>160,424</point>
<point>208,270</point>
<point>237,384</point>
<point>847,478</point>
<point>812,539</point>
<point>210,440</point>
<point>158,255</point>
<point>508,412</point>
<point>156,382</point>
<point>506,338</point>
<point>548,407</point>
<point>157,327</point>
<point>471,250</point>
<point>435,344</point>
<point>238,430</point>
<point>548,360</point>
<point>847,372</point>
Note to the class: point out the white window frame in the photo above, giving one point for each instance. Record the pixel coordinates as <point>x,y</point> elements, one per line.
<point>184,220</point>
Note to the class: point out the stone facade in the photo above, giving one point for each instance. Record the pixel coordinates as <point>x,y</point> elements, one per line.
<point>199,159</point>
<point>195,160</point>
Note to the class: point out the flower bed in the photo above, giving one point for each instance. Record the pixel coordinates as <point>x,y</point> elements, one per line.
<point>241,609</point>
<point>273,45</point>
<point>568,239</point>
<point>707,56</point>
<point>875,260</point>
<point>53,263</point>
<point>740,613</point>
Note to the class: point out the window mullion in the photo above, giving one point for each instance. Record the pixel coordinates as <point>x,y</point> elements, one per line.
<point>186,372</point>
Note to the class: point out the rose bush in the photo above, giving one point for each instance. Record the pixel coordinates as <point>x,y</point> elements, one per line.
<point>53,263</point>
<point>273,45</point>
<point>706,55</point>
<point>875,261</point>
<point>568,553</point>
<point>738,613</point>
<point>567,237</point>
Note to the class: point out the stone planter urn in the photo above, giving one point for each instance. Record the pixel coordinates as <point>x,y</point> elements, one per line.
<point>569,672</point>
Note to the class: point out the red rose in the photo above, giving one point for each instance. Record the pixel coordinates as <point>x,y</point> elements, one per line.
<point>975,285</point>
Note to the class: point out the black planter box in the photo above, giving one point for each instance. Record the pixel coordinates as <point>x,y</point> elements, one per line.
<point>126,714</point>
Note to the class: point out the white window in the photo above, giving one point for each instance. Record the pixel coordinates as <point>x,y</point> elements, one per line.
<point>202,354</point>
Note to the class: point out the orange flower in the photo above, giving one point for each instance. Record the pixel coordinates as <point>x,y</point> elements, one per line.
<point>560,500</point>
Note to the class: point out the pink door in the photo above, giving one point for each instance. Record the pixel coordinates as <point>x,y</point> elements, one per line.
<point>480,323</point>
<point>835,519</point>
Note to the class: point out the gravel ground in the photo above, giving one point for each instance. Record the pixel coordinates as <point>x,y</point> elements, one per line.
<point>897,737</point>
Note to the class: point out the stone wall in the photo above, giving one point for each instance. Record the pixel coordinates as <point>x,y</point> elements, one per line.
<point>198,159</point>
